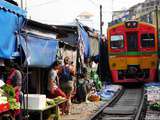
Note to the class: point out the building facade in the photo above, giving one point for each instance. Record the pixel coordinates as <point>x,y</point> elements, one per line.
<point>145,11</point>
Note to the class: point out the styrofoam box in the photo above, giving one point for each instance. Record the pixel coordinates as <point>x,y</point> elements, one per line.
<point>36,101</point>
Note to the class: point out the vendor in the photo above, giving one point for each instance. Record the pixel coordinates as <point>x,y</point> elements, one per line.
<point>53,81</point>
<point>15,80</point>
<point>66,76</point>
<point>67,80</point>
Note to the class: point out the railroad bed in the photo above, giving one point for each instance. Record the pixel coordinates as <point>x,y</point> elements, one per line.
<point>152,115</point>
<point>127,106</point>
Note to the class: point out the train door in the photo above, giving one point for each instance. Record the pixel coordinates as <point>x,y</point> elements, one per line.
<point>132,41</point>
<point>132,47</point>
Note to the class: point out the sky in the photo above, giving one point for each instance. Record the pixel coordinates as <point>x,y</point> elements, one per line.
<point>66,11</point>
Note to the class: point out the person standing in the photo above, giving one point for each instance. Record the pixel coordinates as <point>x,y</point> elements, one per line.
<point>67,81</point>
<point>104,72</point>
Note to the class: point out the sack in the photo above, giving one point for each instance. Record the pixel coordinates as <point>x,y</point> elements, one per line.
<point>66,74</point>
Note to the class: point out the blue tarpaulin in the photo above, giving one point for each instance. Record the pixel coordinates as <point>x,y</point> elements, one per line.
<point>83,36</point>
<point>39,51</point>
<point>11,20</point>
<point>86,43</point>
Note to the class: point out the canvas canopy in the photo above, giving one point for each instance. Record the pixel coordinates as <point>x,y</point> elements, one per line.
<point>39,51</point>
<point>11,21</point>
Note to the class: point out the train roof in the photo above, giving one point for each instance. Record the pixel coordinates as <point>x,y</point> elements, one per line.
<point>122,23</point>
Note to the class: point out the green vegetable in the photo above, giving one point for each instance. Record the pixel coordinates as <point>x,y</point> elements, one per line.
<point>58,99</point>
<point>51,102</point>
<point>155,106</point>
<point>13,104</point>
<point>9,90</point>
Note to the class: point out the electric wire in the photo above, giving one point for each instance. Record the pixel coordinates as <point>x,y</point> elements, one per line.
<point>43,4</point>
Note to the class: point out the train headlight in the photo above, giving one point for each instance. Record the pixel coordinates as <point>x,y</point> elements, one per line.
<point>128,24</point>
<point>113,64</point>
<point>131,24</point>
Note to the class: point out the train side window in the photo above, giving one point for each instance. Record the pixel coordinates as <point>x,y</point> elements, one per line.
<point>117,41</point>
<point>147,40</point>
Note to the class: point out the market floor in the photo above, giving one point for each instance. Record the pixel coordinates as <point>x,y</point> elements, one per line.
<point>83,111</point>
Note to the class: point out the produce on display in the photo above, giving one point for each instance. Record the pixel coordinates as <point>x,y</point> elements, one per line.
<point>9,90</point>
<point>3,100</point>
<point>13,104</point>
<point>155,106</point>
<point>4,105</point>
<point>152,92</point>
<point>50,102</point>
<point>9,93</point>
<point>54,101</point>
<point>94,98</point>
<point>58,99</point>
<point>1,92</point>
<point>153,95</point>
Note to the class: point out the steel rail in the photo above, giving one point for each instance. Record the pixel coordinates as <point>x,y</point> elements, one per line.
<point>115,98</point>
<point>137,115</point>
<point>140,110</point>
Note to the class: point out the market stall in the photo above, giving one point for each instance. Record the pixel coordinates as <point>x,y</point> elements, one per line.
<point>153,95</point>
<point>8,103</point>
<point>40,107</point>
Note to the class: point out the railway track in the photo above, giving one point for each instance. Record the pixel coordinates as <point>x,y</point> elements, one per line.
<point>127,105</point>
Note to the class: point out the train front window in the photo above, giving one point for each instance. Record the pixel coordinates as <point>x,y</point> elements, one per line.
<point>132,41</point>
<point>147,40</point>
<point>117,41</point>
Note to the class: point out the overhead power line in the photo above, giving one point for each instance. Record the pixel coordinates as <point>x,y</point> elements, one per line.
<point>43,4</point>
<point>93,3</point>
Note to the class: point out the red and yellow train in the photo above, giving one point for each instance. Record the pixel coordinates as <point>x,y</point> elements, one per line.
<point>133,52</point>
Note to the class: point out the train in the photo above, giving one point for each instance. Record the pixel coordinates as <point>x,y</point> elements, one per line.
<point>133,52</point>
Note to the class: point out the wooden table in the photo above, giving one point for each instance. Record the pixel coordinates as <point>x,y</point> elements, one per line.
<point>53,108</point>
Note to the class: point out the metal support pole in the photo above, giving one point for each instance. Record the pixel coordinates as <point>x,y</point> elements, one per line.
<point>22,4</point>
<point>100,37</point>
<point>112,9</point>
<point>157,26</point>
<point>157,22</point>
<point>101,21</point>
<point>26,5</point>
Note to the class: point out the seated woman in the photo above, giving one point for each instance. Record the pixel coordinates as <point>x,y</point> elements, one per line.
<point>53,81</point>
